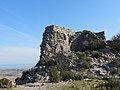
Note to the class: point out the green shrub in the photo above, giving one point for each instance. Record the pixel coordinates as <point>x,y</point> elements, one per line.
<point>96,44</point>
<point>116,40</point>
<point>113,84</point>
<point>116,46</point>
<point>116,37</point>
<point>115,66</point>
<point>116,62</point>
<point>25,72</point>
<point>66,75</point>
<point>87,53</point>
<point>86,65</point>
<point>85,60</point>
<point>74,87</point>
<point>79,76</point>
<point>5,83</point>
<point>114,71</point>
<point>54,75</point>
<point>96,54</point>
<point>81,55</point>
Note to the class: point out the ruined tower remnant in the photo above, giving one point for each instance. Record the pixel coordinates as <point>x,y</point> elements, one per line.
<point>56,39</point>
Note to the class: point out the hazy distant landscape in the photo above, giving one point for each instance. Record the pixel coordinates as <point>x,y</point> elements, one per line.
<point>16,66</point>
<point>10,73</point>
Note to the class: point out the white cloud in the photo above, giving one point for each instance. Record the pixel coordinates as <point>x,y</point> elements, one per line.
<point>18,55</point>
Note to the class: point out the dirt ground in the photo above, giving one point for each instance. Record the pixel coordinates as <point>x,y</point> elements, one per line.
<point>41,86</point>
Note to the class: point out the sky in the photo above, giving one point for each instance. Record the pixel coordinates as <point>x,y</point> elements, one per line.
<point>22,24</point>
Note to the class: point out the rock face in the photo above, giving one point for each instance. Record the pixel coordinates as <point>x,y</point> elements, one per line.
<point>55,39</point>
<point>82,40</point>
<point>70,51</point>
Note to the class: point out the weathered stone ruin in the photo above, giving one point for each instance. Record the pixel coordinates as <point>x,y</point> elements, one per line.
<point>58,39</point>
<point>66,50</point>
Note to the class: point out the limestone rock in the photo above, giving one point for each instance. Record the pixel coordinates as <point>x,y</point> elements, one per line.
<point>57,39</point>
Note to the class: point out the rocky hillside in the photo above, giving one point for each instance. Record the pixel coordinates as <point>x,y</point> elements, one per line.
<point>74,55</point>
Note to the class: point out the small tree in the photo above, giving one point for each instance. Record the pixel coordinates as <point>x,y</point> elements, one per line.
<point>66,75</point>
<point>86,65</point>
<point>96,54</point>
<point>116,45</point>
<point>81,55</point>
<point>54,75</point>
<point>113,84</point>
<point>85,60</point>
<point>5,83</point>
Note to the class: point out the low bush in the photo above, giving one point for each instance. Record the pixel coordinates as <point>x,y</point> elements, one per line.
<point>116,37</point>
<point>116,62</point>
<point>115,66</point>
<point>114,71</point>
<point>113,84</point>
<point>66,75</point>
<point>96,44</point>
<point>116,40</point>
<point>54,74</point>
<point>81,55</point>
<point>25,72</point>
<point>85,60</point>
<point>96,54</point>
<point>86,65</point>
<point>87,53</point>
<point>5,83</point>
<point>116,46</point>
<point>79,76</point>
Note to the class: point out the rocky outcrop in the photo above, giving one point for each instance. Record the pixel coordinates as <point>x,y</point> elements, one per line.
<point>70,51</point>
<point>57,39</point>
